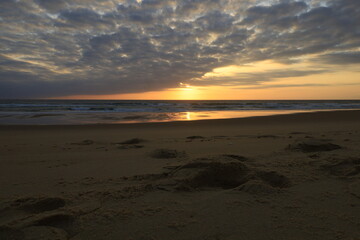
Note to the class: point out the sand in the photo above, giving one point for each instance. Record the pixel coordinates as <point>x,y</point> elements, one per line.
<point>277,177</point>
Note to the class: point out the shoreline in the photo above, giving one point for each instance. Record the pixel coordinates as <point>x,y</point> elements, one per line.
<point>302,114</point>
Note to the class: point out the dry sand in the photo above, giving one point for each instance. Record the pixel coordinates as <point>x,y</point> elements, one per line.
<point>279,177</point>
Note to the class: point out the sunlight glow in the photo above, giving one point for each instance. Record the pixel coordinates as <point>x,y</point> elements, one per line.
<point>188,116</point>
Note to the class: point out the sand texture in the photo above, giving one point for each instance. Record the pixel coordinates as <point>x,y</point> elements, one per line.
<point>279,177</point>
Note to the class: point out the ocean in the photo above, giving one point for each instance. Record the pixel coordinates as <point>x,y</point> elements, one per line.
<point>133,111</point>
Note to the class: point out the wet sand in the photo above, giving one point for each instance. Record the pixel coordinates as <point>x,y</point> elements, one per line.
<point>276,177</point>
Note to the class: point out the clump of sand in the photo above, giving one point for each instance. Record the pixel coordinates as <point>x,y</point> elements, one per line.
<point>226,172</point>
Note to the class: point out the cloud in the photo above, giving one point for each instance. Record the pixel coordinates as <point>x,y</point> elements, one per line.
<point>58,48</point>
<point>249,77</point>
<point>340,58</point>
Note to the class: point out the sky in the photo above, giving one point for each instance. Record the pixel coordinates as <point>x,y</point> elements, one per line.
<point>189,49</point>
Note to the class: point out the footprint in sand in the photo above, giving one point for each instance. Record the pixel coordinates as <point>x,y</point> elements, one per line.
<point>38,205</point>
<point>38,218</point>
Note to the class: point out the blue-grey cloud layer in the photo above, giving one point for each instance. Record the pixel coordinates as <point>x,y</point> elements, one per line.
<point>51,48</point>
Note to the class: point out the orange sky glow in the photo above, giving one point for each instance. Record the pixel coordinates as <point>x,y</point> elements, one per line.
<point>341,84</point>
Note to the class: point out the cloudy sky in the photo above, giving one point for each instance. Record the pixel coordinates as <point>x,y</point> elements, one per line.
<point>156,49</point>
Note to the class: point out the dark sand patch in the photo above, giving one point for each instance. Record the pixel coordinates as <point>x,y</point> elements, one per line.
<point>167,153</point>
<point>195,137</point>
<point>313,146</point>
<point>219,136</point>
<point>84,142</point>
<point>46,115</point>
<point>133,141</point>
<point>128,146</point>
<point>268,136</point>
<point>60,220</point>
<point>136,117</point>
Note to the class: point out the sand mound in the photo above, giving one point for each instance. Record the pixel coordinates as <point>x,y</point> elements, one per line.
<point>38,205</point>
<point>226,171</point>
<point>343,168</point>
<point>313,146</point>
<point>167,153</point>
<point>213,174</point>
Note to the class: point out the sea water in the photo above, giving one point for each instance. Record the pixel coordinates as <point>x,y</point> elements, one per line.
<point>126,111</point>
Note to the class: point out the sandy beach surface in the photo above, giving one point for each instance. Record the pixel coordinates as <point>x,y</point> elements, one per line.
<point>277,177</point>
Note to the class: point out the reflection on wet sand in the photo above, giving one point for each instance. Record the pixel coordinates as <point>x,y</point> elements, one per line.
<point>191,116</point>
<point>111,118</point>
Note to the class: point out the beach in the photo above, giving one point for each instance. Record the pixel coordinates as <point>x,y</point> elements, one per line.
<point>294,176</point>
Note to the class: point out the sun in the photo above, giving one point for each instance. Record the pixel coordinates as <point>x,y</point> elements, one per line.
<point>186,92</point>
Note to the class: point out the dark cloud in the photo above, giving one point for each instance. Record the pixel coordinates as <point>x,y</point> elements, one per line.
<point>51,5</point>
<point>342,58</point>
<point>215,22</point>
<point>56,48</point>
